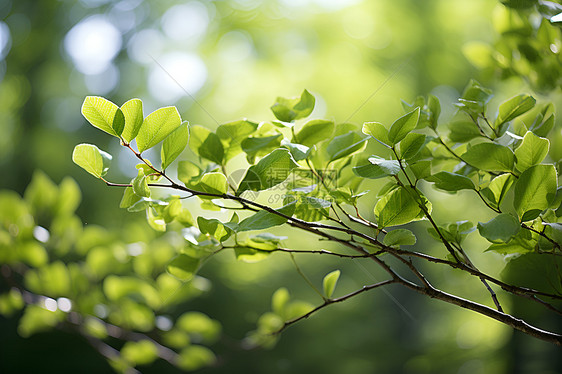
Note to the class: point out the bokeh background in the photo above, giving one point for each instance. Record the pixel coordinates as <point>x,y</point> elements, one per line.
<point>219,61</point>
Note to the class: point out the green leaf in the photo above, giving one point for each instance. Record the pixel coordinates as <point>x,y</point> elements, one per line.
<point>411,145</point>
<point>397,208</point>
<point>279,301</point>
<point>520,243</point>
<point>463,131</point>
<point>344,145</point>
<point>140,185</point>
<point>157,126</point>
<point>490,157</point>
<point>475,98</point>
<point>421,169</point>
<point>403,125</point>
<point>378,168</point>
<point>435,110</point>
<point>232,134</point>
<point>92,159</point>
<point>155,220</point>
<point>399,237</point>
<point>37,319</point>
<point>447,181</point>
<point>129,198</point>
<point>314,131</point>
<point>118,122</point>
<point>142,352</point>
<point>544,121</point>
<point>133,114</point>
<point>183,267</point>
<point>535,190</point>
<point>206,144</point>
<point>249,255</point>
<point>269,171</point>
<point>531,151</point>
<point>377,131</point>
<point>199,326</point>
<point>174,145</point>
<point>263,220</point>
<point>212,149</point>
<point>329,283</point>
<point>290,109</point>
<point>298,151</point>
<point>254,145</point>
<point>214,227</point>
<point>499,229</point>
<point>214,183</point>
<point>195,357</point>
<point>498,188</point>
<point>188,171</point>
<point>104,115</point>
<point>513,108</point>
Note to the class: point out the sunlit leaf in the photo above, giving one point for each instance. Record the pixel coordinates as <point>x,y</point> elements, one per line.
<point>499,229</point>
<point>157,126</point>
<point>329,283</point>
<point>174,145</point>
<point>535,191</point>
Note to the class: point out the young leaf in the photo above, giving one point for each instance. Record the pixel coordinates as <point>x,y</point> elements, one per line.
<point>290,109</point>
<point>513,108</point>
<point>490,157</point>
<point>140,185</point>
<point>174,145</point>
<point>399,237</point>
<point>378,168</point>
<point>249,255</point>
<point>377,131</point>
<point>403,125</point>
<point>92,159</point>
<point>397,208</point>
<point>344,145</point>
<point>314,131</point>
<point>535,190</point>
<point>183,267</point>
<point>269,171</point>
<point>103,114</point>
<point>157,126</point>
<point>279,301</point>
<point>129,198</point>
<point>531,151</point>
<point>499,229</point>
<point>329,283</point>
<point>133,114</point>
<point>447,181</point>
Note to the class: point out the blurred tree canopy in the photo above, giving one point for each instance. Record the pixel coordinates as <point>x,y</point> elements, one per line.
<point>220,61</point>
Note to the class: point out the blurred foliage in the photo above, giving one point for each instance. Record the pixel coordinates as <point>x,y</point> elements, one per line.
<point>245,52</point>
